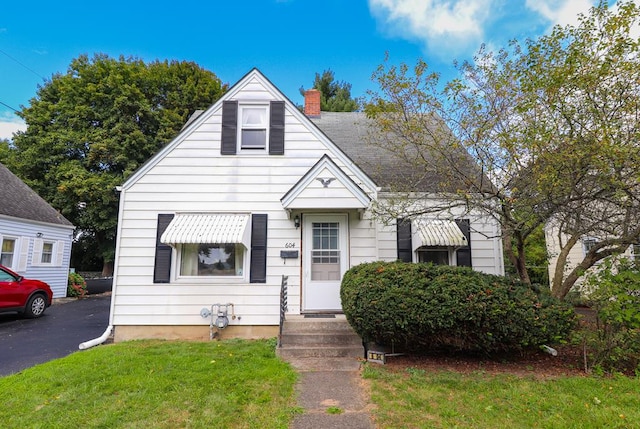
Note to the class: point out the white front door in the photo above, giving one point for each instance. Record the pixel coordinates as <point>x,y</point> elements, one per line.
<point>326,257</point>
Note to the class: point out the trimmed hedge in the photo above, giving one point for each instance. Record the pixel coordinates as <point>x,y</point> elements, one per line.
<point>425,306</point>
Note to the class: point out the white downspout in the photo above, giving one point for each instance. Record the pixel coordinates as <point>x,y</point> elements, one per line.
<point>101,339</point>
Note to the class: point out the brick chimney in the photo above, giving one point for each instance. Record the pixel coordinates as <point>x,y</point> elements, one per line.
<point>312,103</point>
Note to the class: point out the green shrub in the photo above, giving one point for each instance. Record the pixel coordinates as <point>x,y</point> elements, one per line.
<point>76,286</point>
<point>418,306</point>
<point>613,343</point>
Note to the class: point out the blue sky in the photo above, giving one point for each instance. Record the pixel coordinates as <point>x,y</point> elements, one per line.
<point>288,40</point>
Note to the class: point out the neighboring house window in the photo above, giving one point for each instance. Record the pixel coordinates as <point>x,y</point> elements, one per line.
<point>588,244</point>
<point>219,260</point>
<point>8,251</point>
<point>47,253</point>
<point>636,252</point>
<point>254,126</point>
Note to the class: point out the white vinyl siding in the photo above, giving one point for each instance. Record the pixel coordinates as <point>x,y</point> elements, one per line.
<point>191,175</point>
<point>194,177</point>
<point>26,232</point>
<point>486,246</point>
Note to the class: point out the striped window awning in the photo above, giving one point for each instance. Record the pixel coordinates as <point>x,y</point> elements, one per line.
<point>437,232</point>
<point>199,228</point>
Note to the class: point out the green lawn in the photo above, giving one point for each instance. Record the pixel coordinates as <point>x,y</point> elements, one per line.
<point>418,399</point>
<point>241,384</point>
<point>153,384</point>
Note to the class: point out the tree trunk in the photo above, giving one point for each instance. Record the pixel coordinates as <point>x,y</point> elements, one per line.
<point>558,274</point>
<point>518,260</point>
<point>107,269</point>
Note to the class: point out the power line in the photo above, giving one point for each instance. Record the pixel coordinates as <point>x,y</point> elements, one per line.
<point>13,59</point>
<point>6,105</point>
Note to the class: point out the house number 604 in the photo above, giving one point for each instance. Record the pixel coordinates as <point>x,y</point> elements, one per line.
<point>289,245</point>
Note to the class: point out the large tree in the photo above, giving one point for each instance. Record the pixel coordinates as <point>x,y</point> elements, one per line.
<point>335,96</point>
<point>554,124</point>
<point>89,128</point>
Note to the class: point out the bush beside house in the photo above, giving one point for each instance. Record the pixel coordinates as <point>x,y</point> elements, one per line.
<point>419,306</point>
<point>612,344</point>
<point>77,286</point>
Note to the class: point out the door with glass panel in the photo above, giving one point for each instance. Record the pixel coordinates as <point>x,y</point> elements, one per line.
<point>325,247</point>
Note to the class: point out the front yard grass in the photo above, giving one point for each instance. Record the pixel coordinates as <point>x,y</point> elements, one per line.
<point>241,384</point>
<point>154,384</point>
<point>415,398</point>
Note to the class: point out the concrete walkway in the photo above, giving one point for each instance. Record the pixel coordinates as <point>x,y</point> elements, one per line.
<point>331,385</point>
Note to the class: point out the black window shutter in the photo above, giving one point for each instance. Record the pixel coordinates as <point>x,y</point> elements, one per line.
<point>405,252</point>
<point>162,263</point>
<point>276,128</point>
<point>229,128</point>
<point>464,253</point>
<point>258,273</point>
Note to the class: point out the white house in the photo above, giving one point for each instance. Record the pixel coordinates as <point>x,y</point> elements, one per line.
<point>555,241</point>
<point>36,239</point>
<point>252,190</point>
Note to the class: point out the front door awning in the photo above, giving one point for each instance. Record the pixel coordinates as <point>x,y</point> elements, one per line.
<point>198,228</point>
<point>437,232</point>
<point>325,186</point>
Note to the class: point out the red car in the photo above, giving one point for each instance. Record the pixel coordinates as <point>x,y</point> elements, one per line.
<point>25,296</point>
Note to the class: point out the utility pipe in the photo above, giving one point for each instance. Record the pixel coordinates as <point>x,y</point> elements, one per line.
<point>101,339</point>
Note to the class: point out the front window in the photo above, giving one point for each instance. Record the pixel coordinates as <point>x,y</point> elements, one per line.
<point>435,255</point>
<point>212,260</point>
<point>8,250</point>
<point>47,253</point>
<point>253,128</point>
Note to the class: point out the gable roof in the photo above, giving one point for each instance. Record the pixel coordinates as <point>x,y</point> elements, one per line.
<point>20,201</point>
<point>344,194</point>
<point>198,118</point>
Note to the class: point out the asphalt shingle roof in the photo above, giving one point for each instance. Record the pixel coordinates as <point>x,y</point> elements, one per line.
<point>355,134</point>
<point>20,201</point>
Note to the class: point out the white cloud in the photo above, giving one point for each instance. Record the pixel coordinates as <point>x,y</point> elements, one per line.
<point>451,26</point>
<point>9,125</point>
<point>563,12</point>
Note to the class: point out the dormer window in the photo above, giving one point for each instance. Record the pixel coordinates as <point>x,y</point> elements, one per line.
<point>254,126</point>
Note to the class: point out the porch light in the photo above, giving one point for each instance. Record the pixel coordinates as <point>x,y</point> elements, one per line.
<point>296,221</point>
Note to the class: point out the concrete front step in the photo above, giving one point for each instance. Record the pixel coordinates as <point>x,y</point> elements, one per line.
<point>327,351</point>
<point>302,324</point>
<point>319,338</point>
<point>336,338</point>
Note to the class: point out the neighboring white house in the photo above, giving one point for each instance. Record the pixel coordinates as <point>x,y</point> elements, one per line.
<point>35,238</point>
<point>555,240</point>
<point>252,190</point>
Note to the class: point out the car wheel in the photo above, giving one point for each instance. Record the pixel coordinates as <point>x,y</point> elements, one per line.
<point>35,307</point>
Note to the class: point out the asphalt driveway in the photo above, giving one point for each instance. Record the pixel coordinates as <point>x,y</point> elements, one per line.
<point>28,342</point>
